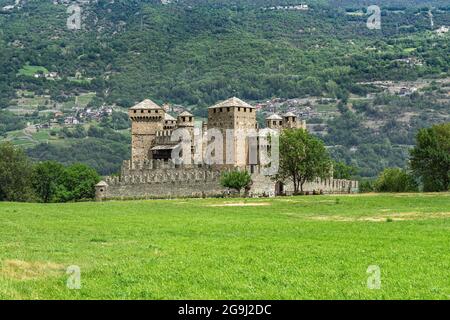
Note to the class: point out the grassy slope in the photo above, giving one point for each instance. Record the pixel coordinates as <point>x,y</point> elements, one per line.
<point>294,248</point>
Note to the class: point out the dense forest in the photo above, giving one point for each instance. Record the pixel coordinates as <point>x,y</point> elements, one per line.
<point>197,52</point>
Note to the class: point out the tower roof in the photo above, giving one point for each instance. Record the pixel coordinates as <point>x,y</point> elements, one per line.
<point>274,117</point>
<point>147,104</point>
<point>101,184</point>
<point>289,114</point>
<point>168,117</point>
<point>232,102</point>
<point>185,114</point>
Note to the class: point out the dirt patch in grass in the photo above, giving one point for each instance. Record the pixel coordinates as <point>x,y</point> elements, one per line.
<point>424,194</point>
<point>24,270</point>
<point>401,216</point>
<point>242,204</point>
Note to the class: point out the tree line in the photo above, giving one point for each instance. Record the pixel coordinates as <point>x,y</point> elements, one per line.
<point>22,180</point>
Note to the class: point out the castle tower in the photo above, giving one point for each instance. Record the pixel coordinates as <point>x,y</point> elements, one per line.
<point>290,121</point>
<point>146,119</point>
<point>185,120</point>
<point>239,116</point>
<point>274,122</point>
<point>169,122</point>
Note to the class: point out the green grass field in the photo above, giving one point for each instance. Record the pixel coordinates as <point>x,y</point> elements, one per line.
<point>286,248</point>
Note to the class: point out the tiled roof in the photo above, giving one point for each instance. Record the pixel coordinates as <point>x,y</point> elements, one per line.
<point>232,102</point>
<point>168,117</point>
<point>185,114</point>
<point>274,117</point>
<point>147,104</point>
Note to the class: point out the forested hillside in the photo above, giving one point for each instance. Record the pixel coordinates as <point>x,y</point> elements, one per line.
<point>197,52</point>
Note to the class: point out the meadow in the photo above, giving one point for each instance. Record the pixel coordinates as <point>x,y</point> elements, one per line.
<point>315,247</point>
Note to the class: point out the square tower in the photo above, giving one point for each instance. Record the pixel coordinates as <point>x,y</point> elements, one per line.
<point>147,118</point>
<point>239,117</point>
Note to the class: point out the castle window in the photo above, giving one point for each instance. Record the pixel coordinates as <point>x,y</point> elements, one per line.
<point>251,110</point>
<point>245,109</point>
<point>142,111</point>
<point>214,110</point>
<point>281,122</point>
<point>135,111</point>
<point>274,123</point>
<point>239,109</point>
<point>220,110</point>
<point>228,109</point>
<point>190,119</point>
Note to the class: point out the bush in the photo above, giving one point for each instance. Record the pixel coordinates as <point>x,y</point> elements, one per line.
<point>236,180</point>
<point>366,186</point>
<point>77,183</point>
<point>395,180</point>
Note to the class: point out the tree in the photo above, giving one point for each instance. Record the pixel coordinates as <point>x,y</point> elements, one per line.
<point>395,180</point>
<point>236,180</point>
<point>343,171</point>
<point>78,183</point>
<point>15,173</point>
<point>303,158</point>
<point>430,159</point>
<point>46,180</point>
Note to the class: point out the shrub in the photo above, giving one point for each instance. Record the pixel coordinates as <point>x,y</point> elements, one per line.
<point>395,180</point>
<point>236,180</point>
<point>52,182</point>
<point>366,186</point>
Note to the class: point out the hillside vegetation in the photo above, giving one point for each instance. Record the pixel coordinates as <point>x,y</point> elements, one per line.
<point>195,53</point>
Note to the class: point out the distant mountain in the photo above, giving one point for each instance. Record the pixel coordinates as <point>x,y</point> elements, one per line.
<point>197,52</point>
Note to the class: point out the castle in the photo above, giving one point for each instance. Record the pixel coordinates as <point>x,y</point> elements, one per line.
<point>153,173</point>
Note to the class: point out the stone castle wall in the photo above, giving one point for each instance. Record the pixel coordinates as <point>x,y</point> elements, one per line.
<point>159,179</point>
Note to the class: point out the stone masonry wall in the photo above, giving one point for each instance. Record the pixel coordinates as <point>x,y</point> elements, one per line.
<point>159,179</point>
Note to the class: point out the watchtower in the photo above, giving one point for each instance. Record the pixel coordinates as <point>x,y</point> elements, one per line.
<point>185,120</point>
<point>290,121</point>
<point>274,122</point>
<point>147,118</point>
<point>240,117</point>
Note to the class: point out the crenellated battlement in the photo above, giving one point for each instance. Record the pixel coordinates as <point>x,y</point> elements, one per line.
<point>159,178</point>
<point>128,166</point>
<point>164,133</point>
<point>160,173</point>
